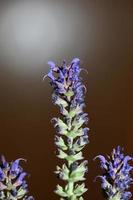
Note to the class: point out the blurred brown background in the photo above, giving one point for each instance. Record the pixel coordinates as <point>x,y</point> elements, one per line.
<point>100,33</point>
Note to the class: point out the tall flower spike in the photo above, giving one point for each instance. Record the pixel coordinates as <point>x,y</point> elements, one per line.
<point>13,185</point>
<point>116,179</point>
<point>72,136</point>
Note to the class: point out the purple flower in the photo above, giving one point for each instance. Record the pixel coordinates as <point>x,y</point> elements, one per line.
<point>116,178</point>
<point>12,180</point>
<point>67,79</point>
<point>15,168</point>
<point>20,179</point>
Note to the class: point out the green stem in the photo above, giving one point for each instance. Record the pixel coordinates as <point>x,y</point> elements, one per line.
<point>70,183</point>
<point>70,187</point>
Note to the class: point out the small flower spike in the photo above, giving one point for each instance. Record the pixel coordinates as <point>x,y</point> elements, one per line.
<point>72,134</point>
<point>116,179</point>
<point>13,185</point>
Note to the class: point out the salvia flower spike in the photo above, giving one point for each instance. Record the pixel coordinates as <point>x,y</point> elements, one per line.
<point>72,135</point>
<point>13,185</point>
<point>116,179</point>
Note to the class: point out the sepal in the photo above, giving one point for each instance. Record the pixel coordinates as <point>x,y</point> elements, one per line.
<point>80,189</point>
<point>80,143</point>
<point>79,172</point>
<point>116,197</point>
<point>59,101</point>
<point>62,154</point>
<point>75,157</point>
<point>21,193</point>
<point>62,127</point>
<point>69,158</point>
<point>63,172</point>
<point>69,94</point>
<point>80,132</point>
<point>60,143</point>
<point>76,110</point>
<point>60,191</point>
<point>79,121</point>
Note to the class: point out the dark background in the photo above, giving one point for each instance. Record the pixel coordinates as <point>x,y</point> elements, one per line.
<point>100,33</point>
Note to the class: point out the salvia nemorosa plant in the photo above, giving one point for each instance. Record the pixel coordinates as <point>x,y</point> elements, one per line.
<point>13,185</point>
<point>72,133</point>
<point>116,178</point>
<point>71,137</point>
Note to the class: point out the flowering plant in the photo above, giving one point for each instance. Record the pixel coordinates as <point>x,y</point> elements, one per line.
<point>116,179</point>
<point>71,137</point>
<point>13,185</point>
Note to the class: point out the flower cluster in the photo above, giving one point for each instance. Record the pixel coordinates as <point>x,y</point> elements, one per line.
<point>116,180</point>
<point>72,136</point>
<point>13,185</point>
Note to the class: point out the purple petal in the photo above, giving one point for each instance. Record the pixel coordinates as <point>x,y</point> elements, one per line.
<point>75,61</point>
<point>50,75</point>
<point>19,181</point>
<point>52,65</point>
<point>103,161</point>
<point>126,159</point>
<point>4,162</point>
